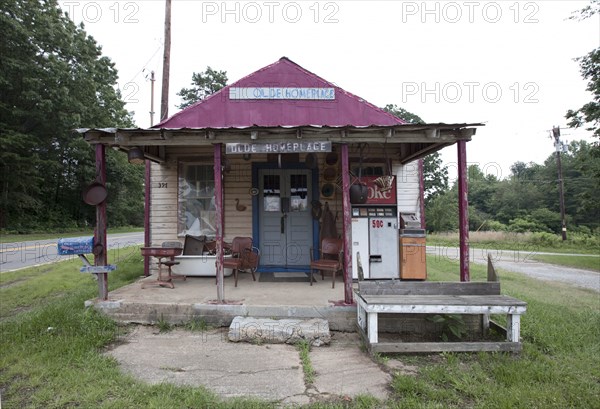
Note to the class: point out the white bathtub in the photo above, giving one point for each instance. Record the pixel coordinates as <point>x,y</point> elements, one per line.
<point>199,266</point>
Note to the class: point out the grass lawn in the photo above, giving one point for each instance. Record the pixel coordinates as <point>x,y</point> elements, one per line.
<point>51,351</point>
<point>18,238</point>
<point>585,262</point>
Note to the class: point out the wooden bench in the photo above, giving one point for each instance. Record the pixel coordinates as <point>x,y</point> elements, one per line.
<point>401,297</point>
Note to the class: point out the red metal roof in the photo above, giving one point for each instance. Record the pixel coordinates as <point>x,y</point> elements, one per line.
<point>219,111</point>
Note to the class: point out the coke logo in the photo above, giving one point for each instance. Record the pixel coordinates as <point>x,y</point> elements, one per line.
<point>376,194</point>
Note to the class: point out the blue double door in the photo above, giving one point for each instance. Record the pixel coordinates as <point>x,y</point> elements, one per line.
<point>285,217</point>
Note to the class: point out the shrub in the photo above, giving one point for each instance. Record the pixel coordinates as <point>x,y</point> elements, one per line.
<point>519,225</point>
<point>493,225</point>
<point>545,239</point>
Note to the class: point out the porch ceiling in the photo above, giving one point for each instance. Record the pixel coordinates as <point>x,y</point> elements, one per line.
<point>411,141</point>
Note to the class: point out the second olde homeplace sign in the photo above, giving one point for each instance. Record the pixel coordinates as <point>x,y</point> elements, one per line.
<point>278,147</point>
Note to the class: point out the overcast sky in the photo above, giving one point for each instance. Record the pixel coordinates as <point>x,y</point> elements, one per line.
<point>508,64</point>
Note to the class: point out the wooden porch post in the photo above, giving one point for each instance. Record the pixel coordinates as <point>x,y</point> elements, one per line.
<point>147,193</point>
<point>347,222</point>
<point>100,258</point>
<point>219,222</point>
<point>421,193</point>
<point>463,210</point>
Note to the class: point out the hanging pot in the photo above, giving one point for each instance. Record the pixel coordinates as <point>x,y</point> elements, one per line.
<point>95,194</point>
<point>359,193</point>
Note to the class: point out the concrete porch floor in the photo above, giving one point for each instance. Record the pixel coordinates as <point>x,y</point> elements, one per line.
<point>195,298</point>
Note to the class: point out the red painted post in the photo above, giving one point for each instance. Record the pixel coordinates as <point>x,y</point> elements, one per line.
<point>347,222</point>
<point>219,222</point>
<point>463,210</point>
<point>147,202</point>
<point>422,193</point>
<point>101,258</point>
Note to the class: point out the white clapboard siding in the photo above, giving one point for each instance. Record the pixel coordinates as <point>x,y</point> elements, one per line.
<point>236,185</point>
<point>163,205</point>
<point>407,184</point>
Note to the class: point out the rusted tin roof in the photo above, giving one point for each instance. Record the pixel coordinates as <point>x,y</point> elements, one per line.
<point>282,94</point>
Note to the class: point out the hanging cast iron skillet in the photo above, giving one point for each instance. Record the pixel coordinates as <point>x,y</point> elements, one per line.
<point>95,194</point>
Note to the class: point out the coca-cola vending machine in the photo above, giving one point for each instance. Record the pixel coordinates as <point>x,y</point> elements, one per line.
<point>375,232</point>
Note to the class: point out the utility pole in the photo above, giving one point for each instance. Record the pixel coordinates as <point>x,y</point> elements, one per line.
<point>152,98</point>
<point>559,147</point>
<point>164,101</point>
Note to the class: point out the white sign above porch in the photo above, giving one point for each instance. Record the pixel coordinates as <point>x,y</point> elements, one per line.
<point>282,93</point>
<point>277,147</point>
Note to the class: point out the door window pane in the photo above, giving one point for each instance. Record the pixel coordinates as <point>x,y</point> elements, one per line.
<point>299,192</point>
<point>272,193</point>
<point>196,200</point>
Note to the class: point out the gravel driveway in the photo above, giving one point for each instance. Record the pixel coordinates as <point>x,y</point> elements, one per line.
<point>522,262</point>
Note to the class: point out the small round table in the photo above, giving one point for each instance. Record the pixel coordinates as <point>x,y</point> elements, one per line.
<point>160,253</point>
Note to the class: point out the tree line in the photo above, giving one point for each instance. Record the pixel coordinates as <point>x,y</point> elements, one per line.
<point>528,199</point>
<point>54,79</point>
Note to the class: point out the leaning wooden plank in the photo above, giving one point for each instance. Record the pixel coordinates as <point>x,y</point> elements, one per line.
<point>492,276</point>
<point>433,347</point>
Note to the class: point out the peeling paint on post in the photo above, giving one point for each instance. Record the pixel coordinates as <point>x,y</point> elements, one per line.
<point>101,259</point>
<point>347,222</point>
<point>219,222</point>
<point>463,210</point>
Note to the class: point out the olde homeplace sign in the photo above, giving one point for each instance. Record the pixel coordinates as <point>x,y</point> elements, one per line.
<point>278,147</point>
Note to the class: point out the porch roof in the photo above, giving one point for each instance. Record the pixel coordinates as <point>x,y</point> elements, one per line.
<point>408,141</point>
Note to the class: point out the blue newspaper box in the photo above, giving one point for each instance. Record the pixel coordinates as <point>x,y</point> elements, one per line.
<point>75,245</point>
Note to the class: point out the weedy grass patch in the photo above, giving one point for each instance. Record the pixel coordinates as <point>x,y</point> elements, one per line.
<point>52,351</point>
<point>559,366</point>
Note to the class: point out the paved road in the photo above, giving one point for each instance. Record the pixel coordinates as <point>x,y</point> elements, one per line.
<point>14,256</point>
<point>523,262</point>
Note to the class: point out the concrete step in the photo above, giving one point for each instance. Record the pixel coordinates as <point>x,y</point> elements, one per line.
<point>284,331</point>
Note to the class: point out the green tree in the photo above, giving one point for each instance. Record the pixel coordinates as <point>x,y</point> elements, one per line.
<point>203,84</point>
<point>441,212</point>
<point>590,70</point>
<point>53,79</point>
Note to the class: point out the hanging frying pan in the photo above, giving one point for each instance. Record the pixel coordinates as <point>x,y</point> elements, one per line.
<point>95,194</point>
